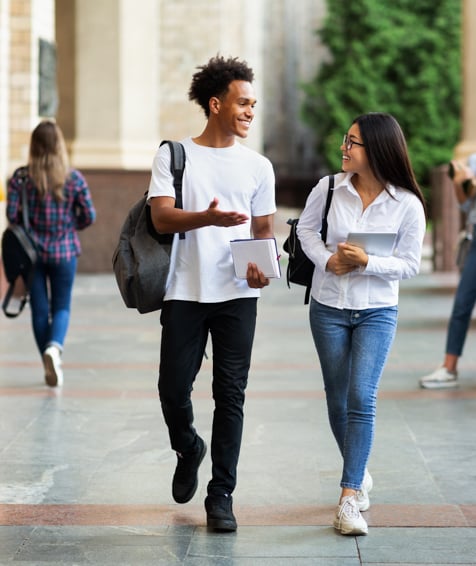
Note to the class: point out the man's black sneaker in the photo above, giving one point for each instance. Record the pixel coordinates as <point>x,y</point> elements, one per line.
<point>185,480</point>
<point>220,513</point>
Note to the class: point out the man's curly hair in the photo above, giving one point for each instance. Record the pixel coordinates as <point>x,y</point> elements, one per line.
<point>214,78</point>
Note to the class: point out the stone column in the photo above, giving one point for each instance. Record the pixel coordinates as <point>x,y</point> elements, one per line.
<point>116,84</point>
<point>4,90</point>
<point>4,136</point>
<point>468,143</point>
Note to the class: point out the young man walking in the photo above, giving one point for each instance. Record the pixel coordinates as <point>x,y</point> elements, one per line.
<point>228,193</point>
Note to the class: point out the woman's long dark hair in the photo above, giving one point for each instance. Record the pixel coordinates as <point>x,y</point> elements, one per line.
<point>387,151</point>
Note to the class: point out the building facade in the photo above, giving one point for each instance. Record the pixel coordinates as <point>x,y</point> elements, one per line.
<point>115,75</point>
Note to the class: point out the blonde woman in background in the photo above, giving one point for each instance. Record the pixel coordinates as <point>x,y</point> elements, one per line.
<point>59,204</point>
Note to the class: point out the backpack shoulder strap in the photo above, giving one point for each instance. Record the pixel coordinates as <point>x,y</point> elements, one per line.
<point>24,205</point>
<point>330,193</point>
<point>177,167</point>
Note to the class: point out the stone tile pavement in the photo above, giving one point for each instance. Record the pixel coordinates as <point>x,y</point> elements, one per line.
<point>85,472</point>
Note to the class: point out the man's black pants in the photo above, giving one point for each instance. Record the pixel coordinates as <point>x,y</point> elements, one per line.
<point>185,329</point>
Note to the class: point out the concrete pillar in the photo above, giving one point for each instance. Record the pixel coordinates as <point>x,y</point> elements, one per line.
<point>446,215</point>
<point>65,11</point>
<point>446,218</point>
<point>4,115</point>
<point>4,90</point>
<point>293,53</point>
<point>116,85</point>
<point>468,143</point>
<point>30,21</point>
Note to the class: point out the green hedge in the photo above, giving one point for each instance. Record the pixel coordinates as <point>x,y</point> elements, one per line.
<point>396,56</point>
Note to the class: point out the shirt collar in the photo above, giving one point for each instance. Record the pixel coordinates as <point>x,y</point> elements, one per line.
<point>345,183</point>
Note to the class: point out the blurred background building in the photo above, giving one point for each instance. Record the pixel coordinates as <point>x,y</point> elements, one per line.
<point>115,75</point>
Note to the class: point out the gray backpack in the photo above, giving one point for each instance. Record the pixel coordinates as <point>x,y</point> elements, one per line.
<point>141,259</point>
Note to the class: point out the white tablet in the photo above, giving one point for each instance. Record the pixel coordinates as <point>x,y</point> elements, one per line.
<point>374,243</point>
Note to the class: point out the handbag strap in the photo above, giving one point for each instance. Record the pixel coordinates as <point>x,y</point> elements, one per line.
<point>24,204</point>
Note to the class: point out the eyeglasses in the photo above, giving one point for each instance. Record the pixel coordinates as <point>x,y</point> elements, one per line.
<point>348,143</point>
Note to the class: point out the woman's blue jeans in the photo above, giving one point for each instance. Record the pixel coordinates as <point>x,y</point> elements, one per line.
<point>463,304</point>
<point>353,347</point>
<point>50,301</point>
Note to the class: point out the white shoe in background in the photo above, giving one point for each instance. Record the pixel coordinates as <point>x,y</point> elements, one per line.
<point>52,364</point>
<point>441,378</point>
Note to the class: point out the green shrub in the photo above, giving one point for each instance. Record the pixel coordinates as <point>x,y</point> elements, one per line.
<point>396,56</point>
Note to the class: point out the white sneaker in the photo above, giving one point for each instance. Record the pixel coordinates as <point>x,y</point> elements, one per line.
<point>348,520</point>
<point>52,363</point>
<point>362,496</point>
<point>440,379</point>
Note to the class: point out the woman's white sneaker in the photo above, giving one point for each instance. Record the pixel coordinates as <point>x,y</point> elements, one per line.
<point>348,520</point>
<point>52,363</point>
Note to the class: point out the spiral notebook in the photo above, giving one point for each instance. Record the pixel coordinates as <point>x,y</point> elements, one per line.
<point>263,252</point>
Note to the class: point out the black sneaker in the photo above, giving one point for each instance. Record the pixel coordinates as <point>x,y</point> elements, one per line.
<point>185,480</point>
<point>220,513</point>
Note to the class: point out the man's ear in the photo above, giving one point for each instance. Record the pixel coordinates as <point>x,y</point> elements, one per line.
<point>214,105</point>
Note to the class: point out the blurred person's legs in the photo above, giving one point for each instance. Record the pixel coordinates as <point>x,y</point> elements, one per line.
<point>40,307</point>
<point>50,298</point>
<point>61,278</point>
<point>446,376</point>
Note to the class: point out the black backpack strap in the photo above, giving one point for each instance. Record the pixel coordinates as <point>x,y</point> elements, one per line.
<point>307,295</point>
<point>330,193</point>
<point>24,208</point>
<point>177,167</point>
<point>26,224</point>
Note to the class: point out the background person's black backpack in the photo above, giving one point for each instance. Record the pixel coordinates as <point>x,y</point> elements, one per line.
<point>141,259</point>
<point>300,267</point>
<point>19,256</point>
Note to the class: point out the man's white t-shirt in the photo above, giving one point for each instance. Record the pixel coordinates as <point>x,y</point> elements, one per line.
<point>242,180</point>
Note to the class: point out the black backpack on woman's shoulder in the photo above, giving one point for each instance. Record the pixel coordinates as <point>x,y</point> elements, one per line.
<point>300,268</point>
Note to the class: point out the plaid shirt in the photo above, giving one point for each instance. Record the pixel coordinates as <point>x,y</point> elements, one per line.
<point>53,225</point>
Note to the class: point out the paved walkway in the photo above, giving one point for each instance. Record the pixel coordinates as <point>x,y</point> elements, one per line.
<point>85,472</point>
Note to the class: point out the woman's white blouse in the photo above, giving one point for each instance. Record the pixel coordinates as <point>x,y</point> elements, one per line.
<point>397,210</point>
